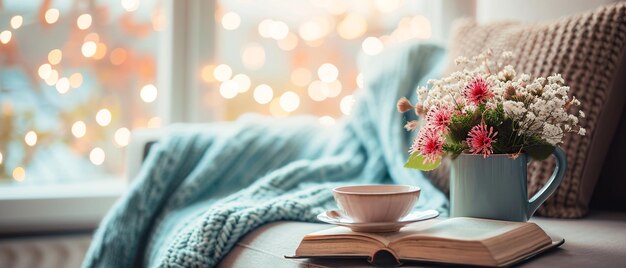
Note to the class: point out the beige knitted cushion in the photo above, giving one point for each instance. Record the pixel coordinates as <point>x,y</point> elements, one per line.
<point>588,50</point>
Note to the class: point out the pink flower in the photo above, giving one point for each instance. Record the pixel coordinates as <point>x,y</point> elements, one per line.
<point>477,91</point>
<point>480,140</point>
<point>439,118</point>
<point>429,143</point>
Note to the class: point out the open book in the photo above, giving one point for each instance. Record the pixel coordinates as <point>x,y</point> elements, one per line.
<point>458,240</point>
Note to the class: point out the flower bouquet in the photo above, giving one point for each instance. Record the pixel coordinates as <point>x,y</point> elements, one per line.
<point>488,108</point>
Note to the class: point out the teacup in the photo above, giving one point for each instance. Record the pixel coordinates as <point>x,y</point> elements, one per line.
<point>376,203</point>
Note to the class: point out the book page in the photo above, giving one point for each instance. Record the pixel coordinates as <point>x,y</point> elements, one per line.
<point>384,238</point>
<point>470,229</point>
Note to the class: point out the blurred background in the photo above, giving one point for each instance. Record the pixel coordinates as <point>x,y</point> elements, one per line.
<point>78,77</point>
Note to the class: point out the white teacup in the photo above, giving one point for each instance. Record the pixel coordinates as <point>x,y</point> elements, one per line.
<point>376,203</point>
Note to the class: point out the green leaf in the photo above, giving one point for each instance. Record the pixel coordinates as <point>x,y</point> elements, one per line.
<point>416,161</point>
<point>539,151</point>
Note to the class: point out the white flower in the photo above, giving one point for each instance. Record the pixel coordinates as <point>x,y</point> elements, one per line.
<point>581,114</point>
<point>552,134</point>
<point>582,131</point>
<point>514,108</point>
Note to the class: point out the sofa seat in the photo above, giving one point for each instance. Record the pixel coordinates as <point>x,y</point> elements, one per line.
<point>598,240</point>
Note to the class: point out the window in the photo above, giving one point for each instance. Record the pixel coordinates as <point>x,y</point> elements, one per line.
<point>75,78</point>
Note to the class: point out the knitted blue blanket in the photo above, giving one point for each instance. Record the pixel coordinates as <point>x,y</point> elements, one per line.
<point>202,188</point>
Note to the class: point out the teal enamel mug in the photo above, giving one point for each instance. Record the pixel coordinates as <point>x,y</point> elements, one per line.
<point>495,187</point>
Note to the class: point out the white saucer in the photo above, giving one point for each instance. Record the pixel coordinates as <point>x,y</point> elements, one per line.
<point>338,217</point>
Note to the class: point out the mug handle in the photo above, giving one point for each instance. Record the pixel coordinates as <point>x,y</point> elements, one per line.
<point>550,186</point>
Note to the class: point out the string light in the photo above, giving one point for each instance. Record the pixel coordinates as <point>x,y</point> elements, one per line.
<point>231,21</point>
<point>5,37</point>
<point>278,30</point>
<point>84,21</point>
<point>16,22</point>
<point>30,138</point>
<point>52,78</point>
<point>333,89</point>
<point>359,80</point>
<point>207,73</point>
<point>289,42</point>
<point>55,56</point>
<point>222,72</point>
<point>387,6</point>
<point>346,104</point>
<point>89,49</point>
<point>264,28</point>
<point>228,89</point>
<point>97,156</point>
<point>253,56</point>
<point>154,122</point>
<point>122,137</point>
<point>148,93</point>
<point>352,26</point>
<point>315,90</point>
<point>327,72</point>
<point>52,15</point>
<point>118,56</point>
<point>130,5</point>
<point>103,117</point>
<point>101,50</point>
<point>63,85</point>
<point>79,129</point>
<point>289,101</point>
<point>243,82</point>
<point>19,174</point>
<point>76,80</point>
<point>44,70</point>
<point>263,94</point>
<point>327,120</point>
<point>372,46</point>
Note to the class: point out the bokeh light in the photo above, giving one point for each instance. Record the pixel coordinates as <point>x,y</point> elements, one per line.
<point>84,21</point>
<point>17,21</point>
<point>148,93</point>
<point>118,56</point>
<point>76,80</point>
<point>316,89</point>
<point>52,78</point>
<point>222,72</point>
<point>253,56</point>
<point>328,72</point>
<point>79,129</point>
<point>30,138</point>
<point>52,15</point>
<point>55,56</point>
<point>228,89</point>
<point>347,104</point>
<point>96,156</point>
<point>5,36</point>
<point>63,85</point>
<point>289,101</point>
<point>103,117</point>
<point>154,122</point>
<point>352,26</point>
<point>89,49</point>
<point>122,137</point>
<point>243,82</point>
<point>44,70</point>
<point>327,120</point>
<point>372,46</point>
<point>289,43</point>
<point>263,94</point>
<point>231,21</point>
<point>359,80</point>
<point>130,5</point>
<point>19,174</point>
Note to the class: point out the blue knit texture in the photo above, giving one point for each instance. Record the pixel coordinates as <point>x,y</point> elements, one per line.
<point>204,187</point>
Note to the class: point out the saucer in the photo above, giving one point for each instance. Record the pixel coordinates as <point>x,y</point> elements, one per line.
<point>338,217</point>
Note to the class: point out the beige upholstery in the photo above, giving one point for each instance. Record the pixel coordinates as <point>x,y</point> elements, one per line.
<point>598,240</point>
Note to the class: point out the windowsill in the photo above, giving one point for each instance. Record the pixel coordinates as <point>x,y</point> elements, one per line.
<point>58,207</point>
